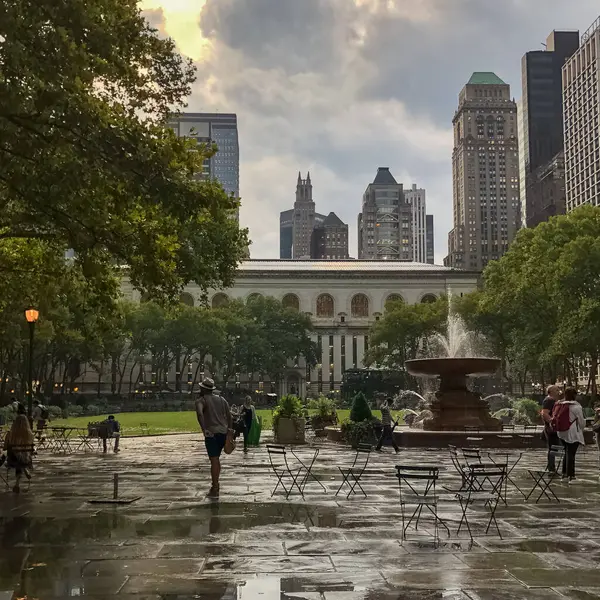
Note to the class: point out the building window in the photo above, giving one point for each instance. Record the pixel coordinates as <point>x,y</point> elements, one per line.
<point>325,306</point>
<point>186,299</point>
<point>428,299</point>
<point>253,297</point>
<point>220,300</point>
<point>360,306</point>
<point>354,353</point>
<point>343,354</point>
<point>291,301</point>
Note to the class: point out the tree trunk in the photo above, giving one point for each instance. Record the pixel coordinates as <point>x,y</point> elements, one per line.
<point>178,371</point>
<point>113,375</point>
<point>100,373</point>
<point>593,373</point>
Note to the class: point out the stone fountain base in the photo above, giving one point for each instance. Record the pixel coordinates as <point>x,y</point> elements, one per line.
<point>453,410</point>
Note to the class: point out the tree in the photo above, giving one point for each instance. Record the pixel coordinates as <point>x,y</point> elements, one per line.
<point>403,331</point>
<point>88,161</point>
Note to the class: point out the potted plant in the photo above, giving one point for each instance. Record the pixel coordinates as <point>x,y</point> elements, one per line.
<point>288,422</point>
<point>324,415</point>
<point>360,427</point>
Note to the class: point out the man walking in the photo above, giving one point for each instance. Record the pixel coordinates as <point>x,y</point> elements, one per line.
<point>214,417</point>
<point>552,397</point>
<point>387,432</point>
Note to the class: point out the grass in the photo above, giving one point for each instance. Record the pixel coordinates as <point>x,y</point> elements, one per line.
<point>168,422</point>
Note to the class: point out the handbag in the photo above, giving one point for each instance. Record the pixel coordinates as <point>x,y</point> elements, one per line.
<point>229,442</point>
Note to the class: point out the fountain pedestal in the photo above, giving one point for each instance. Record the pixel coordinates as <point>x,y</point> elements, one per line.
<point>455,406</point>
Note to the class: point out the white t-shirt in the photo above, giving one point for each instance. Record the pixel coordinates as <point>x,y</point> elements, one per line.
<point>575,432</point>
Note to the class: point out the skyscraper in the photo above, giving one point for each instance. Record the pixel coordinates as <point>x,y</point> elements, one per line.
<point>416,198</point>
<point>286,233</point>
<point>385,223</point>
<point>541,129</point>
<point>429,240</point>
<point>581,99</point>
<point>220,129</point>
<point>485,173</point>
<point>329,240</point>
<point>304,218</point>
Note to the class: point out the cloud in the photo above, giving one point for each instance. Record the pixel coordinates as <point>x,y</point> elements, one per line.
<point>340,87</point>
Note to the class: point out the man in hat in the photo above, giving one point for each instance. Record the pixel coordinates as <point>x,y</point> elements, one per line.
<point>214,417</point>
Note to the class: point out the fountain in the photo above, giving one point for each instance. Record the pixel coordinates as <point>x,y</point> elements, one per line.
<point>455,406</point>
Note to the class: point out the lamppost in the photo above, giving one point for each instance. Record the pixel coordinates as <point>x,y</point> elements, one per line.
<point>31,314</point>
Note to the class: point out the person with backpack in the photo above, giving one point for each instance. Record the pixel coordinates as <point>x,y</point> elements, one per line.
<point>40,416</point>
<point>552,397</point>
<point>568,422</point>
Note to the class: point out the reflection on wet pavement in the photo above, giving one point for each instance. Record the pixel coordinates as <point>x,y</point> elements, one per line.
<point>175,544</point>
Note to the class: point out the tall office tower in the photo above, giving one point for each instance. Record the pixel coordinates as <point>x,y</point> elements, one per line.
<point>304,218</point>
<point>385,224</point>
<point>329,240</point>
<point>485,173</point>
<point>541,129</point>
<point>581,99</point>
<point>416,198</point>
<point>220,129</point>
<point>286,233</point>
<point>429,240</point>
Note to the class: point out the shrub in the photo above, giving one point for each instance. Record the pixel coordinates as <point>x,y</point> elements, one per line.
<point>93,410</point>
<point>324,406</point>
<point>73,410</point>
<point>529,408</point>
<point>55,412</point>
<point>356,432</point>
<point>360,410</point>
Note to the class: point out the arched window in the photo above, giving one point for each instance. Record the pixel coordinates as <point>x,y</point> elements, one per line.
<point>428,299</point>
<point>253,297</point>
<point>325,306</point>
<point>393,298</point>
<point>186,299</point>
<point>359,306</point>
<point>291,301</point>
<point>220,300</point>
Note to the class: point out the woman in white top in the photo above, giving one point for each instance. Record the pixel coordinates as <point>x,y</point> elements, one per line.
<point>572,438</point>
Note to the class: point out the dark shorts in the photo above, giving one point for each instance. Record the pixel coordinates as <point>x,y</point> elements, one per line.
<point>215,444</point>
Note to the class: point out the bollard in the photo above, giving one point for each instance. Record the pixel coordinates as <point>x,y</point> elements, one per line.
<point>115,486</point>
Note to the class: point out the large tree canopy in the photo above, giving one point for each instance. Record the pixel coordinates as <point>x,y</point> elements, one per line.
<point>86,158</point>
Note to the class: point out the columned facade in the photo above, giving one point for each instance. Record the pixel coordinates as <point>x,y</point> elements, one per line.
<point>343,298</point>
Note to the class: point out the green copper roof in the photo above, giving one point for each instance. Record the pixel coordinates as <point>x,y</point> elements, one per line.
<point>485,78</point>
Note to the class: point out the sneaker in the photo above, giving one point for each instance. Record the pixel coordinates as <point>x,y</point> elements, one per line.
<point>397,450</point>
<point>213,492</point>
<point>16,489</point>
<point>572,480</point>
<point>378,450</point>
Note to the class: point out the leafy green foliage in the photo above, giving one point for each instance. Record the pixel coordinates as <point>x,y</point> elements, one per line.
<point>360,410</point>
<point>530,409</point>
<point>323,406</point>
<point>289,406</point>
<point>88,161</point>
<point>358,432</point>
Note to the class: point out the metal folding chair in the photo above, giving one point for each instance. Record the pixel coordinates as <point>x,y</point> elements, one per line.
<point>484,484</point>
<point>308,467</point>
<point>351,476</point>
<point>543,479</point>
<point>417,486</point>
<point>471,455</point>
<point>281,468</point>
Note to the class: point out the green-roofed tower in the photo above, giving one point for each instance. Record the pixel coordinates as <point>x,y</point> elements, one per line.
<point>485,78</point>
<point>485,173</point>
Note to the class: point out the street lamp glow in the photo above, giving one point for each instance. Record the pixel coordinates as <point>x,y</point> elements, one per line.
<point>31,314</point>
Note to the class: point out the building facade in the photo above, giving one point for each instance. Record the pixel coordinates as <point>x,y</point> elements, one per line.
<point>581,105</point>
<point>329,240</point>
<point>485,174</point>
<point>415,197</point>
<point>429,240</point>
<point>343,298</point>
<point>221,130</point>
<point>304,218</point>
<point>385,229</point>
<point>541,128</point>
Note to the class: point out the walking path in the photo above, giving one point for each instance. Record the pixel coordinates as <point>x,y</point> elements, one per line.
<point>174,543</point>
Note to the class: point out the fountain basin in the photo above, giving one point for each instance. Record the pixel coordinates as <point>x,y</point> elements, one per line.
<point>452,367</point>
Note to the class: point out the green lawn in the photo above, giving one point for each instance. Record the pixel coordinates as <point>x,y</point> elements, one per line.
<point>167,422</point>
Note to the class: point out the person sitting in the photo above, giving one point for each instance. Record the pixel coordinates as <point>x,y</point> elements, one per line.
<point>18,445</point>
<point>113,430</point>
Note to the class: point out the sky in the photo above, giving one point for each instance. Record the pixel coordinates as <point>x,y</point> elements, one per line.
<point>341,87</point>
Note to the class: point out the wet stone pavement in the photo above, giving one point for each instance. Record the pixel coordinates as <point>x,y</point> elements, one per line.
<point>174,543</point>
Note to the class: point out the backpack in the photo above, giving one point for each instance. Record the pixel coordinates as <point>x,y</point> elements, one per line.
<point>45,413</point>
<point>561,417</point>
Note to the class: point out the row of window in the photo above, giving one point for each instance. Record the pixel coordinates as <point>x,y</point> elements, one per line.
<point>359,305</point>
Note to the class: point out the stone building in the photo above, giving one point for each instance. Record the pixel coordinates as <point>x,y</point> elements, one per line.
<point>343,298</point>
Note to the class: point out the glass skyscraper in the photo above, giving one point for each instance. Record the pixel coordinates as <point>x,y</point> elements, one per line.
<point>220,129</point>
